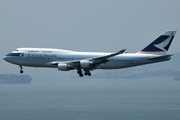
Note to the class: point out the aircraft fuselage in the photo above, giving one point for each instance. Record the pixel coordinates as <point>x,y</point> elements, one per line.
<point>66,60</point>
<point>43,59</point>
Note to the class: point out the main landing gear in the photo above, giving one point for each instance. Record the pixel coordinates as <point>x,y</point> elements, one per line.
<point>21,71</point>
<point>86,72</point>
<point>79,71</point>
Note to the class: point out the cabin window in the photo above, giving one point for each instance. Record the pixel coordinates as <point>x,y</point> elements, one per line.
<point>47,51</point>
<point>33,51</point>
<point>61,58</point>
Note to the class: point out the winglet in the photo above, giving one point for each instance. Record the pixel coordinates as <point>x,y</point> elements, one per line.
<point>114,54</point>
<point>121,51</point>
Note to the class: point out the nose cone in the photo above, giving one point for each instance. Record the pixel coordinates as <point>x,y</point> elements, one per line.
<point>5,58</point>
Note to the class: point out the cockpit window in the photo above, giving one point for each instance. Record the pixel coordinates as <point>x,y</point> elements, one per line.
<point>15,54</point>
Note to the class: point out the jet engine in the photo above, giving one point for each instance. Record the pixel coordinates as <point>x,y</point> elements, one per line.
<point>65,67</point>
<point>86,64</point>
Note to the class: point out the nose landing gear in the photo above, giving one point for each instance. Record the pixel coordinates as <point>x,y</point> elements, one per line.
<point>21,71</point>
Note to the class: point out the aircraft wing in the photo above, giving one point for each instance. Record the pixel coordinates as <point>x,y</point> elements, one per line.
<point>103,59</point>
<point>96,61</point>
<point>111,55</point>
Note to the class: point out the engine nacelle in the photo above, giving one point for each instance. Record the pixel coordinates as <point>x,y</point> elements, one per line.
<point>86,64</point>
<point>65,67</point>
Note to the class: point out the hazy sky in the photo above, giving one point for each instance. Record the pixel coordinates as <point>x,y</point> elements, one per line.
<point>81,25</point>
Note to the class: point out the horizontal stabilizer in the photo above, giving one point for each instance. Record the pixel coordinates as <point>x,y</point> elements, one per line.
<point>159,57</point>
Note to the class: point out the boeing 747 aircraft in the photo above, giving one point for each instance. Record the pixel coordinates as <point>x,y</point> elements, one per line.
<point>66,60</point>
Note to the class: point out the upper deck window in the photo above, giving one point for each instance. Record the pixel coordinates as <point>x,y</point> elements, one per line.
<point>47,51</point>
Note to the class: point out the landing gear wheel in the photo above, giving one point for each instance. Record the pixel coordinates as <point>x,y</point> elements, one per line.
<point>81,75</point>
<point>89,74</point>
<point>21,71</point>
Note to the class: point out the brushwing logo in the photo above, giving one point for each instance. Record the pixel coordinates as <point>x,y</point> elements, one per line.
<point>163,44</point>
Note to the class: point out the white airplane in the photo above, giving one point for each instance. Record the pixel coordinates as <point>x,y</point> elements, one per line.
<point>66,60</point>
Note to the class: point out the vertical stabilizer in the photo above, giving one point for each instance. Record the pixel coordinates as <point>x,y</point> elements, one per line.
<point>160,45</point>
